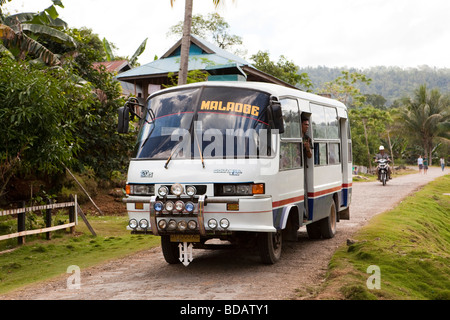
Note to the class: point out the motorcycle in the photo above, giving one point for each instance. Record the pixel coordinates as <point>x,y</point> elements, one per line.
<point>383,170</point>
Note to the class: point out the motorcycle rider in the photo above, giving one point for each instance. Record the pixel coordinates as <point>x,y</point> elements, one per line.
<point>383,155</point>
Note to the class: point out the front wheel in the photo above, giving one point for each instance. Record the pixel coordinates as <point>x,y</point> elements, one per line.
<point>383,178</point>
<point>270,244</point>
<point>170,250</point>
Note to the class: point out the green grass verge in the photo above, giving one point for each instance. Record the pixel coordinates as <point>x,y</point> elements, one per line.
<point>41,259</point>
<point>411,246</point>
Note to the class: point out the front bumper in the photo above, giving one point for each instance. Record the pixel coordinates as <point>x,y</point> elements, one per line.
<point>252,213</point>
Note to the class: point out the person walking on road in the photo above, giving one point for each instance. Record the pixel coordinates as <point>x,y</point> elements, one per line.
<point>420,163</point>
<point>442,161</point>
<point>425,165</point>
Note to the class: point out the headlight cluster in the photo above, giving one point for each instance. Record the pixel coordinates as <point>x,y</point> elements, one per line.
<point>224,223</point>
<point>143,224</point>
<point>177,207</point>
<point>239,189</point>
<point>176,190</point>
<point>140,189</point>
<point>181,225</point>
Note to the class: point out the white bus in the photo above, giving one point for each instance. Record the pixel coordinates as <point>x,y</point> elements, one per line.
<point>225,160</point>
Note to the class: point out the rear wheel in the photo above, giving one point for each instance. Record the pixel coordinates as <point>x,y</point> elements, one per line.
<point>328,225</point>
<point>270,244</point>
<point>170,250</point>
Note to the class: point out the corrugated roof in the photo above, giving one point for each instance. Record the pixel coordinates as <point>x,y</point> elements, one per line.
<point>111,66</point>
<point>170,61</point>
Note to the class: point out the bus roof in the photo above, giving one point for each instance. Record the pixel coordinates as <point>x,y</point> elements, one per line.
<point>271,88</point>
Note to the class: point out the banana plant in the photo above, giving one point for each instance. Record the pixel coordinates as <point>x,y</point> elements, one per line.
<point>17,33</point>
<point>110,55</point>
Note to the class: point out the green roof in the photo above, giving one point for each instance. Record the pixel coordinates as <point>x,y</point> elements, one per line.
<point>202,56</point>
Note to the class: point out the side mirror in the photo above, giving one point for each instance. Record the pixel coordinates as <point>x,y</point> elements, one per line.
<point>124,119</point>
<point>277,115</point>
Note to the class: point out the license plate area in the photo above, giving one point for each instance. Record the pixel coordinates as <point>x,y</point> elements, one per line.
<point>184,238</point>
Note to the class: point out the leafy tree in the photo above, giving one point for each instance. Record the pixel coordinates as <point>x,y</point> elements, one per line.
<point>367,124</point>
<point>345,88</point>
<point>39,115</point>
<point>214,28</point>
<point>426,117</point>
<point>283,69</point>
<point>103,148</point>
<point>20,34</point>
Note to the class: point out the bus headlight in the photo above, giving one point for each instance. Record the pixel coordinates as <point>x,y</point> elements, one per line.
<point>182,225</point>
<point>163,191</point>
<point>162,224</point>
<point>169,206</point>
<point>192,225</point>
<point>177,189</point>
<point>172,225</point>
<point>133,223</point>
<point>191,191</point>
<point>212,223</point>
<point>143,224</point>
<point>224,223</point>
<point>189,206</point>
<point>158,206</point>
<point>179,206</point>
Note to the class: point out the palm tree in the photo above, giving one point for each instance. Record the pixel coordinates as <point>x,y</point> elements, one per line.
<point>15,30</point>
<point>186,39</point>
<point>426,116</point>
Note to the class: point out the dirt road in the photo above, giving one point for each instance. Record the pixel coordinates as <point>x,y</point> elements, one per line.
<point>231,274</point>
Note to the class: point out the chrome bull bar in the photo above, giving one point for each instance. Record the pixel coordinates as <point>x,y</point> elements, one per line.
<point>202,201</point>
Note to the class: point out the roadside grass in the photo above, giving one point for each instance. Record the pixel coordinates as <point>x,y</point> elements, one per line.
<point>41,259</point>
<point>411,246</point>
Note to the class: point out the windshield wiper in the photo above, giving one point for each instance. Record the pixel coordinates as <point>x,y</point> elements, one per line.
<point>176,148</point>
<point>152,118</point>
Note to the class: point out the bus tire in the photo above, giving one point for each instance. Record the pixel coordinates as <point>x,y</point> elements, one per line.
<point>313,230</point>
<point>328,225</point>
<point>270,244</point>
<point>170,250</point>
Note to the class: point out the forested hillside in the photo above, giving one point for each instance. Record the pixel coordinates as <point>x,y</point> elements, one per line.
<point>390,82</point>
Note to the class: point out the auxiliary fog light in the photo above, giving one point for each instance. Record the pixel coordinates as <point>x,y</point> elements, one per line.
<point>169,206</point>
<point>212,223</point>
<point>143,224</point>
<point>163,191</point>
<point>179,206</point>
<point>133,223</point>
<point>191,191</point>
<point>192,225</point>
<point>224,223</point>
<point>177,189</point>
<point>162,224</point>
<point>189,207</point>
<point>182,225</point>
<point>158,206</point>
<point>172,225</point>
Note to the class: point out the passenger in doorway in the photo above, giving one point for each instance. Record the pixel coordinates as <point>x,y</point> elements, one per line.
<point>307,142</point>
<point>383,155</point>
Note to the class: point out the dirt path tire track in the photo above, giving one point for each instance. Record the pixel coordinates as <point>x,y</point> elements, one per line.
<point>230,274</point>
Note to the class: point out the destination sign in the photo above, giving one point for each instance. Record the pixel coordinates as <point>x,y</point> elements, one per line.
<point>235,107</point>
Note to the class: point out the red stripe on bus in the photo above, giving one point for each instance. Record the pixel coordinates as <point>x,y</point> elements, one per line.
<point>287,201</point>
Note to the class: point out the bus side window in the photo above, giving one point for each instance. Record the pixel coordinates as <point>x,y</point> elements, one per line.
<point>290,155</point>
<point>320,154</point>
<point>334,155</point>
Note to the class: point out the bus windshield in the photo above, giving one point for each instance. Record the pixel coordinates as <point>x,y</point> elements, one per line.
<point>207,122</point>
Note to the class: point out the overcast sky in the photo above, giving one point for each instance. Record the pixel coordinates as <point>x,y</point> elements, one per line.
<point>332,33</point>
